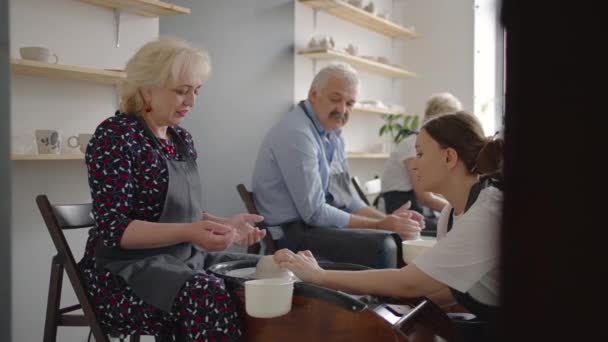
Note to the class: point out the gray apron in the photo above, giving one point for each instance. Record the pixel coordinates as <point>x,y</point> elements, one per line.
<point>157,274</point>
<point>338,186</point>
<point>368,247</point>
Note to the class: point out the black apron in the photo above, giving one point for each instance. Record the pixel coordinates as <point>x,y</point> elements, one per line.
<point>369,247</point>
<point>157,274</point>
<point>473,330</point>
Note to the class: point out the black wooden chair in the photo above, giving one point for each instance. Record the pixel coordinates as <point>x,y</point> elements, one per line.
<point>58,218</point>
<point>267,245</point>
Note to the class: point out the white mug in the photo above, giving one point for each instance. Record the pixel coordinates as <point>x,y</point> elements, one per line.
<point>82,140</point>
<point>37,53</point>
<point>48,141</point>
<point>267,298</point>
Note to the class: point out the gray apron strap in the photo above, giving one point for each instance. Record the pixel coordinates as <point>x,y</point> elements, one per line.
<point>338,187</point>
<point>156,275</point>
<point>338,192</point>
<point>369,247</point>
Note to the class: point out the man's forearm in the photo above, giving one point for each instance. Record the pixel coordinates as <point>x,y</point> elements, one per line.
<point>370,212</point>
<point>358,221</point>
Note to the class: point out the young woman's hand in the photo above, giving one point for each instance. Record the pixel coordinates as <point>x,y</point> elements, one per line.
<point>303,264</point>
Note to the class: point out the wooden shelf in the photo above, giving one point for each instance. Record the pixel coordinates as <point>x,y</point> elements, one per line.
<point>31,157</point>
<point>374,110</point>
<point>69,72</point>
<point>358,62</point>
<point>366,155</point>
<point>343,10</point>
<point>146,8</point>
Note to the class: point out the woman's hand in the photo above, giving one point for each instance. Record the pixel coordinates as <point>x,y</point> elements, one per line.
<point>211,236</point>
<point>246,233</point>
<point>303,264</point>
<point>251,238</point>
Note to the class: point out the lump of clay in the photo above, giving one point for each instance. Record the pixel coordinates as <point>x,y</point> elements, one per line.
<point>268,268</point>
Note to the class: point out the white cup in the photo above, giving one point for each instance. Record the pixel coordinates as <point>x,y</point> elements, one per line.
<point>48,141</point>
<point>414,248</point>
<point>37,53</point>
<point>267,298</point>
<point>82,140</point>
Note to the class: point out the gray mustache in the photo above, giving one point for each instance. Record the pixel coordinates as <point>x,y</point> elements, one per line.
<point>335,114</point>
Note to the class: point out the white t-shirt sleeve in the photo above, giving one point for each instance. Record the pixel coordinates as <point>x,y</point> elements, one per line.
<point>406,149</point>
<point>470,250</point>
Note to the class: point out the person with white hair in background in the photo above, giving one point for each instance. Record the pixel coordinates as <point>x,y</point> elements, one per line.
<point>301,182</point>
<point>398,182</point>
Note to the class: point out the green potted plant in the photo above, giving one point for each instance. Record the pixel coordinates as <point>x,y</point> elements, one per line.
<point>399,126</point>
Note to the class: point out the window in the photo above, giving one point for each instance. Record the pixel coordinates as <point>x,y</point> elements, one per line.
<point>489,65</point>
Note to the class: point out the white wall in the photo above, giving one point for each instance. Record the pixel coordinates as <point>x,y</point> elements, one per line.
<point>443,54</point>
<point>489,65</point>
<point>81,34</point>
<point>251,87</point>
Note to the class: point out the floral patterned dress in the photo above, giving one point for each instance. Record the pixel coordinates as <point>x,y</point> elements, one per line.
<point>128,178</point>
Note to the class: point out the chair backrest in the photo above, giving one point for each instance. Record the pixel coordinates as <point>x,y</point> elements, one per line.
<point>74,216</point>
<point>357,187</point>
<point>247,198</point>
<point>57,218</point>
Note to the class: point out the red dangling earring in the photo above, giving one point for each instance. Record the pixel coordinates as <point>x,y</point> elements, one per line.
<point>147,109</point>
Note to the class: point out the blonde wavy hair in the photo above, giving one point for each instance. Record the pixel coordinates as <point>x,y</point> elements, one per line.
<point>441,103</point>
<point>160,63</point>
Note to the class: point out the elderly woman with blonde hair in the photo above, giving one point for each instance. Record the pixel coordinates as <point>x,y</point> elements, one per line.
<point>398,181</point>
<point>145,260</point>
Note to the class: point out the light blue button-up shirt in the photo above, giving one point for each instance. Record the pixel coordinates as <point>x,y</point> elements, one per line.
<point>291,174</point>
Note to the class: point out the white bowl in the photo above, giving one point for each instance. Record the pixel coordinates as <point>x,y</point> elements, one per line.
<point>267,268</point>
<point>413,248</point>
<point>267,298</point>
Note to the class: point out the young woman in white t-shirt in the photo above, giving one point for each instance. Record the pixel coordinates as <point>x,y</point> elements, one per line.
<point>452,154</point>
<point>398,181</point>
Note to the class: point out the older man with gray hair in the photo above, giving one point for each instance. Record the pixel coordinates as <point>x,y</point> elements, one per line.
<point>301,182</point>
